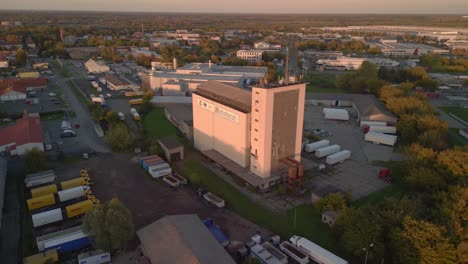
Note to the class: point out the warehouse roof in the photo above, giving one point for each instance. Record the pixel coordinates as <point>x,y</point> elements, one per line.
<point>116,81</point>
<point>181,239</point>
<point>170,143</point>
<point>25,130</point>
<point>225,94</point>
<point>367,105</point>
<point>168,100</point>
<point>180,112</point>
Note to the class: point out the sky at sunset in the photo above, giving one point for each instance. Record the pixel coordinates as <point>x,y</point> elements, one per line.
<point>249,6</point>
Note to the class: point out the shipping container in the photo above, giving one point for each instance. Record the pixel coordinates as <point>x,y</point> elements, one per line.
<point>316,145</point>
<point>48,189</point>
<point>336,116</point>
<point>78,208</point>
<point>94,257</point>
<point>213,199</point>
<point>383,129</point>
<point>263,255</point>
<point>171,181</point>
<point>338,157</point>
<point>334,110</point>
<point>73,183</point>
<point>156,165</point>
<point>379,138</point>
<point>181,178</point>
<point>68,243</point>
<point>39,178</point>
<point>160,172</point>
<point>142,159</point>
<point>275,252</point>
<point>322,152</point>
<point>46,257</point>
<point>315,252</point>
<point>372,123</point>
<point>70,194</point>
<point>47,217</point>
<point>41,201</point>
<point>135,101</point>
<point>294,252</point>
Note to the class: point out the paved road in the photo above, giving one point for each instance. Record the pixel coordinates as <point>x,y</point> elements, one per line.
<point>10,228</point>
<point>86,133</point>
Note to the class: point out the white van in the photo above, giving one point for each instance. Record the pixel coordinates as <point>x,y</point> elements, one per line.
<point>66,125</point>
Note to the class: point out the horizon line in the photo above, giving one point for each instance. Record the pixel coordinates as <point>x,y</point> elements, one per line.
<point>229,13</point>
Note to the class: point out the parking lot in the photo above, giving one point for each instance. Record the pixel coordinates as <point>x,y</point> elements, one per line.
<point>118,175</point>
<point>356,175</point>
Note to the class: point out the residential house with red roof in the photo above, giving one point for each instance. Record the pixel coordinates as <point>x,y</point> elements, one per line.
<point>16,89</point>
<point>22,136</point>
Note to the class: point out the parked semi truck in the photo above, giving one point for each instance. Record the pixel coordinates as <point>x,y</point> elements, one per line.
<point>213,199</point>
<point>380,138</point>
<point>316,145</point>
<point>49,256</point>
<point>383,129</point>
<point>338,157</point>
<point>64,241</point>
<point>48,189</point>
<point>322,152</point>
<point>39,178</point>
<point>47,217</point>
<point>40,202</point>
<point>135,101</point>
<point>294,253</point>
<point>80,181</point>
<point>372,123</point>
<point>315,252</point>
<point>78,209</point>
<point>72,193</point>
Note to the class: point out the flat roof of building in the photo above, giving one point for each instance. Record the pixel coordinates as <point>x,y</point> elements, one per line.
<point>203,76</point>
<point>366,104</point>
<point>225,94</point>
<point>116,81</point>
<point>170,143</point>
<point>205,68</point>
<point>181,112</point>
<point>167,100</point>
<point>181,239</point>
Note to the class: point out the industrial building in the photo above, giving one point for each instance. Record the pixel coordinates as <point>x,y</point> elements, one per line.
<point>391,47</point>
<point>368,107</point>
<point>16,89</point>
<point>181,239</point>
<point>115,83</point>
<point>182,81</point>
<point>96,66</point>
<point>181,116</point>
<point>250,55</point>
<point>347,63</point>
<point>22,136</point>
<point>251,133</point>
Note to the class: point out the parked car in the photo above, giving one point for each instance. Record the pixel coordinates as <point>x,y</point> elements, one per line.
<point>52,94</point>
<point>67,133</point>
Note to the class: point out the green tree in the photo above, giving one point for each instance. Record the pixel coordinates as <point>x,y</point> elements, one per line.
<point>331,202</point>
<point>110,225</point>
<point>21,57</point>
<point>35,161</point>
<point>454,161</point>
<point>119,137</point>
<point>421,242</point>
<point>374,50</point>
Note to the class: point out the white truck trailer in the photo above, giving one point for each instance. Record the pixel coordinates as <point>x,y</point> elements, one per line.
<point>334,110</point>
<point>94,257</point>
<point>317,145</point>
<point>39,178</point>
<point>213,199</point>
<point>160,171</point>
<point>47,217</point>
<point>336,116</point>
<point>373,123</point>
<point>380,138</point>
<point>315,252</point>
<point>263,255</point>
<point>383,129</point>
<point>70,194</point>
<point>338,157</point>
<point>94,84</point>
<point>322,152</point>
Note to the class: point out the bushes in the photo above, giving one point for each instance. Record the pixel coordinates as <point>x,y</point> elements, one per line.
<point>119,137</point>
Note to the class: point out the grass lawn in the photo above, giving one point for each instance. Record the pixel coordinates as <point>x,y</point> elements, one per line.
<point>317,89</point>
<point>156,124</point>
<point>458,111</point>
<point>308,223</point>
<point>455,139</point>
<point>322,82</point>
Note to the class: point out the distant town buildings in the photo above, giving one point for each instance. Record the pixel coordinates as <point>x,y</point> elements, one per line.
<point>24,135</point>
<point>116,83</point>
<point>266,46</point>
<point>348,63</point>
<point>394,48</point>
<point>250,55</point>
<point>16,89</point>
<point>96,66</point>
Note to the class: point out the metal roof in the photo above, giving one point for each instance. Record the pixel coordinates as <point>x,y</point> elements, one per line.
<point>181,239</point>
<point>228,95</point>
<point>170,143</point>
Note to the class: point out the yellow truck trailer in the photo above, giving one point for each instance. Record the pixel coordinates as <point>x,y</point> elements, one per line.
<point>49,256</point>
<point>48,189</point>
<point>72,183</point>
<point>78,208</point>
<point>135,101</point>
<point>41,201</point>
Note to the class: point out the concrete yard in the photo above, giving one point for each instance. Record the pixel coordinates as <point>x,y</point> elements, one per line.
<point>116,175</point>
<point>356,175</point>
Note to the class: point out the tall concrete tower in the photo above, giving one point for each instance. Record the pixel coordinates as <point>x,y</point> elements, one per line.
<point>276,126</point>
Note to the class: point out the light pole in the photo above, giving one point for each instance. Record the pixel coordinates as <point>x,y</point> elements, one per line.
<point>367,251</point>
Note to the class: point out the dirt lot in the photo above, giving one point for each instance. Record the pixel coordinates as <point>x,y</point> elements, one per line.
<point>117,175</point>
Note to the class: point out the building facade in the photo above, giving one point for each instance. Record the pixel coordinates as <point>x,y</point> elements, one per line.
<point>250,55</point>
